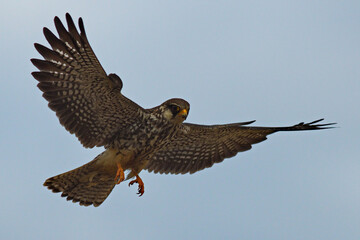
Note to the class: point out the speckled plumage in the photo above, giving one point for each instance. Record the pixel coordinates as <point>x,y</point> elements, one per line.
<point>89,104</point>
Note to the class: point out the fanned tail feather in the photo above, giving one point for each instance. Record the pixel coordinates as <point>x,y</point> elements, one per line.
<point>89,184</point>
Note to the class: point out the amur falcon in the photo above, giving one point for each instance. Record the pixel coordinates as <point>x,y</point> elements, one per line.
<point>89,104</point>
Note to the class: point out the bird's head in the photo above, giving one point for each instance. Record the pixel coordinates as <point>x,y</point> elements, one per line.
<point>176,110</point>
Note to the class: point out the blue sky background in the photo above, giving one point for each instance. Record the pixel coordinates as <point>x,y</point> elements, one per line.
<point>279,62</point>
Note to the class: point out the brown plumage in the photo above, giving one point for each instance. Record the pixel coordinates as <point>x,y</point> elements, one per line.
<point>88,184</point>
<point>89,104</point>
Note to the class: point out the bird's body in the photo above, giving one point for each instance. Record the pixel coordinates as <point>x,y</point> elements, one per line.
<point>136,144</point>
<point>89,104</point>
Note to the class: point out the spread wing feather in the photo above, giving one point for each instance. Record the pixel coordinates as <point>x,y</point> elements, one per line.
<point>87,102</point>
<point>198,146</point>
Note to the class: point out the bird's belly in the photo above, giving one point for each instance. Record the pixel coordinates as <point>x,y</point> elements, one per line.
<point>111,157</point>
<point>135,147</point>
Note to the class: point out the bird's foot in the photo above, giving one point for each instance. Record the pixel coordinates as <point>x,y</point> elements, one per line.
<point>141,185</point>
<point>120,176</point>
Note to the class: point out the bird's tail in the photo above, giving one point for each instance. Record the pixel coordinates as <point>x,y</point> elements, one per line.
<point>89,184</point>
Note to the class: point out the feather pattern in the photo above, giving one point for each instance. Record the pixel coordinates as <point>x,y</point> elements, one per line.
<point>200,146</point>
<point>87,102</point>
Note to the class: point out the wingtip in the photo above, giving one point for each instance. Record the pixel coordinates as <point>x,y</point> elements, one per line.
<point>38,46</point>
<point>247,123</point>
<point>45,29</point>
<point>69,18</point>
<point>313,126</point>
<point>307,126</point>
<point>34,74</point>
<point>36,63</point>
<point>321,125</point>
<point>57,19</point>
<point>47,33</point>
<point>81,26</point>
<point>316,121</point>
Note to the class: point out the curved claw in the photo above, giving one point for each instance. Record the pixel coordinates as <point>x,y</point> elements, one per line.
<point>141,185</point>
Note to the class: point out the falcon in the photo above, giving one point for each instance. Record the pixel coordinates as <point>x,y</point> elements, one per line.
<point>89,104</point>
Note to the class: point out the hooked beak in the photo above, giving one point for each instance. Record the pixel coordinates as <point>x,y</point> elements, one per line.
<point>183,113</point>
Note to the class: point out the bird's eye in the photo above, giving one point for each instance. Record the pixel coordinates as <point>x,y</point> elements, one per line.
<point>175,109</point>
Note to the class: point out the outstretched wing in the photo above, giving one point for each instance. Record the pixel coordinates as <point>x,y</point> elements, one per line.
<point>86,100</point>
<point>199,146</point>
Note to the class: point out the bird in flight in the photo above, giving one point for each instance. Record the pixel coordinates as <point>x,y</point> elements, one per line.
<point>89,104</point>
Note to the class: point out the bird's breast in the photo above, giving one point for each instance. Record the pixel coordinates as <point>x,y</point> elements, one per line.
<point>144,138</point>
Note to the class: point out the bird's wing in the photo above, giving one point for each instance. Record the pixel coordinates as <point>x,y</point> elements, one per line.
<point>86,100</point>
<point>198,146</point>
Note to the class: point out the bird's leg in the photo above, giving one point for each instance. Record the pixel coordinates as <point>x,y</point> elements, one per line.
<point>141,185</point>
<point>120,176</point>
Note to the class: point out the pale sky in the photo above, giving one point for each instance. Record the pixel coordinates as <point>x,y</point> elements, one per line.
<point>277,62</point>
